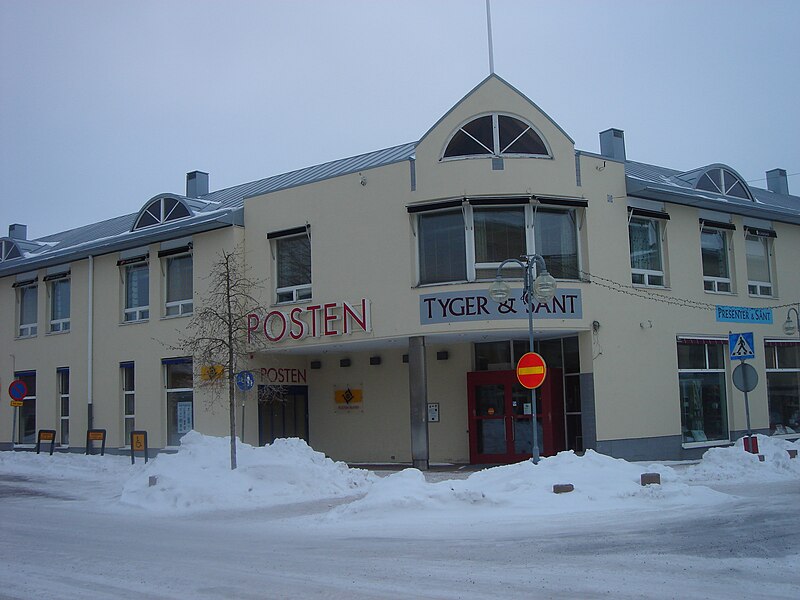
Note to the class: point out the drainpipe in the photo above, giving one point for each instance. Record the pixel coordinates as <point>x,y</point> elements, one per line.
<point>90,345</point>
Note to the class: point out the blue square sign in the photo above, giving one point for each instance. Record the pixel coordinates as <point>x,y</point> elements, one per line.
<point>741,346</point>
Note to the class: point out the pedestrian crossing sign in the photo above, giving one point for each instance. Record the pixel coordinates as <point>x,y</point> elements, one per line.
<point>741,346</point>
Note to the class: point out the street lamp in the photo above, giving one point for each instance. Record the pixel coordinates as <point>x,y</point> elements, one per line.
<point>791,327</point>
<point>543,288</point>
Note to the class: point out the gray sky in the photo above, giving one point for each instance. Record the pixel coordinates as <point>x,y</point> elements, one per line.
<point>104,104</point>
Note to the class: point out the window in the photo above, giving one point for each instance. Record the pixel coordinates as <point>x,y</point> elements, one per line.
<point>8,250</point>
<point>59,304</point>
<point>293,267</point>
<point>62,380</point>
<point>723,181</point>
<point>714,250</point>
<point>644,236</point>
<point>27,412</point>
<point>128,401</point>
<point>701,378</point>
<point>137,292</point>
<point>759,282</point>
<point>495,135</point>
<point>179,285</point>
<point>28,303</point>
<point>180,415</point>
<point>160,211</point>
<point>783,386</point>
<point>469,244</point>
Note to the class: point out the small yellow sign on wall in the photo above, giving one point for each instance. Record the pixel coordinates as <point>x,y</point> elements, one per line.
<point>348,399</point>
<point>211,372</point>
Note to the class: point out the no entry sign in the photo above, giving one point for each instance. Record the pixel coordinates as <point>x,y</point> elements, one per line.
<point>531,370</point>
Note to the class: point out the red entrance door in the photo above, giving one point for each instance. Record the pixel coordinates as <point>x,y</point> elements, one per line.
<point>500,428</point>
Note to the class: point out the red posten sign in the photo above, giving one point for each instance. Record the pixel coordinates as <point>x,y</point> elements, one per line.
<point>531,370</point>
<point>316,320</point>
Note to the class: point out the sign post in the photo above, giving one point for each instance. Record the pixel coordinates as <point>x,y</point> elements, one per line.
<point>745,377</point>
<point>138,444</point>
<point>245,381</point>
<point>18,389</point>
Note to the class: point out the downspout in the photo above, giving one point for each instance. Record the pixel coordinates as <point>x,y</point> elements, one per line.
<point>90,346</point>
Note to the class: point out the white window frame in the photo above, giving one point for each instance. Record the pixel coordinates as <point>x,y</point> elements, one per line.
<point>723,370</point>
<point>496,151</point>
<point>135,313</point>
<point>63,395</point>
<point>167,393</point>
<point>717,283</point>
<point>31,329</point>
<point>648,273</point>
<point>185,306</point>
<point>763,289</point>
<point>301,292</point>
<point>128,417</point>
<point>57,325</point>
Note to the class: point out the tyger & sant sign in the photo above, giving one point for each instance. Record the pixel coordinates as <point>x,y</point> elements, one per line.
<point>475,305</point>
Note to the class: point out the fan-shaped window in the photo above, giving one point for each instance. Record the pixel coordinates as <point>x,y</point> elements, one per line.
<point>9,250</point>
<point>160,211</point>
<point>495,135</point>
<point>722,181</point>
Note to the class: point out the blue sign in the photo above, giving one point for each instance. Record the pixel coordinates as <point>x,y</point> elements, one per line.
<point>18,389</point>
<point>475,305</point>
<point>744,314</point>
<point>245,380</point>
<point>741,346</point>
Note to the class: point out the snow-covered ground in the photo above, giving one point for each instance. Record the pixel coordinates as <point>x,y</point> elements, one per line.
<point>291,523</point>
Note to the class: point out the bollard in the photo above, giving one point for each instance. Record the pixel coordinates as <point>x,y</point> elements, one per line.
<point>152,481</point>
<point>650,478</point>
<point>761,457</point>
<point>792,453</point>
<point>562,488</point>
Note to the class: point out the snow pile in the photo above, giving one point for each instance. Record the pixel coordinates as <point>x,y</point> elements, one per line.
<point>63,467</point>
<point>600,483</point>
<point>732,463</point>
<point>199,478</point>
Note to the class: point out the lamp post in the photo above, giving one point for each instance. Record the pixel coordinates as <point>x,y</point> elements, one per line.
<point>543,288</point>
<point>791,327</point>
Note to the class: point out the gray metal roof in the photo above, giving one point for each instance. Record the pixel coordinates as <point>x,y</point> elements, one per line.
<point>668,185</point>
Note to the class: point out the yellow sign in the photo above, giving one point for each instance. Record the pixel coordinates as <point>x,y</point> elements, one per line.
<point>17,403</point>
<point>348,399</point>
<point>211,372</point>
<point>138,441</point>
<point>47,436</point>
<point>96,436</point>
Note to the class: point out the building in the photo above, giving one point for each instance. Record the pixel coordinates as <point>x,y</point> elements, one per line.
<point>379,342</point>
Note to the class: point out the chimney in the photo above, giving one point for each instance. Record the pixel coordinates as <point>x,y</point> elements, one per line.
<point>612,143</point>
<point>20,232</point>
<point>196,184</point>
<point>778,182</point>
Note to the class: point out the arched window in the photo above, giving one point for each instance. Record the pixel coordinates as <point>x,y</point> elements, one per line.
<point>495,135</point>
<point>160,211</point>
<point>9,250</point>
<point>722,181</point>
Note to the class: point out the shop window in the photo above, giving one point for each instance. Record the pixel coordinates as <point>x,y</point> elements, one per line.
<point>137,292</point>
<point>759,279</point>
<point>495,135</point>
<point>470,244</point>
<point>644,236</point>
<point>293,267</point>
<point>179,285</point>
<point>128,401</point>
<point>27,412</point>
<point>28,309</point>
<point>783,387</point>
<point>59,291</point>
<point>701,377</point>
<point>723,181</point>
<point>62,381</point>
<point>714,250</point>
<point>180,405</point>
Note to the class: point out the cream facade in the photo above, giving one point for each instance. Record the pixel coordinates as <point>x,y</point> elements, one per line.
<point>377,341</point>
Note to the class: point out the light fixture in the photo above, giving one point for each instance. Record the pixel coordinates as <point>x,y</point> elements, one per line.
<point>544,287</point>
<point>499,291</point>
<point>789,326</point>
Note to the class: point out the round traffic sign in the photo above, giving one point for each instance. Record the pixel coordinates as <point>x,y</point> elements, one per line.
<point>18,390</point>
<point>245,380</point>
<point>531,370</point>
<point>745,378</point>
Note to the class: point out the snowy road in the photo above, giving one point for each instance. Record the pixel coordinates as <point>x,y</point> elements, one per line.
<point>81,545</point>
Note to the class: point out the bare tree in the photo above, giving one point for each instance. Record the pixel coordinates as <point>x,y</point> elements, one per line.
<point>217,332</point>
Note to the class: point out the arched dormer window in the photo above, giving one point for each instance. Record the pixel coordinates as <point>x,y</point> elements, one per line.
<point>722,181</point>
<point>9,250</point>
<point>495,135</point>
<point>161,210</point>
